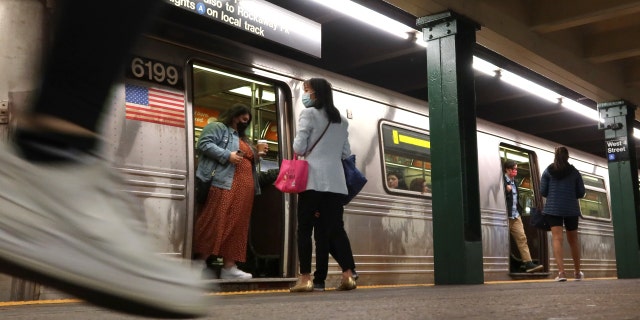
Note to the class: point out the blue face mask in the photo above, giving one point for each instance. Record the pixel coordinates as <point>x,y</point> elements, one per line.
<point>306,100</point>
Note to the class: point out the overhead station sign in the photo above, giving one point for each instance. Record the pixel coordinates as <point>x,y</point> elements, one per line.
<point>262,19</point>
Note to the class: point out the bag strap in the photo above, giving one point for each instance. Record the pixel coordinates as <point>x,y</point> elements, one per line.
<point>314,145</point>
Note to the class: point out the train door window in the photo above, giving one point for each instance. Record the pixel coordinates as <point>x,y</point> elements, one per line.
<point>595,203</point>
<point>215,91</point>
<point>406,155</point>
<point>527,170</point>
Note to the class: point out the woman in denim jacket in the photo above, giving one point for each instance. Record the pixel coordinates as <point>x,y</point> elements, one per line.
<point>229,158</point>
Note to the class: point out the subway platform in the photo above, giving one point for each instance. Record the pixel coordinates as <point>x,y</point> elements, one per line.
<point>609,299</point>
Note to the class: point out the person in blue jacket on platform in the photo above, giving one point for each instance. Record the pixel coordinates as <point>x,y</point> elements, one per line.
<point>562,185</point>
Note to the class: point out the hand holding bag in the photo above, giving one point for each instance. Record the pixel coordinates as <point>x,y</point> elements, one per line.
<point>354,178</point>
<point>293,175</point>
<point>538,220</point>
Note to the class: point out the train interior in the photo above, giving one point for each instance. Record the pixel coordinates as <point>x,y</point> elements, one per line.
<point>214,91</point>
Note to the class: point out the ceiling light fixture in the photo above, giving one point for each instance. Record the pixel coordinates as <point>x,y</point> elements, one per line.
<point>370,17</point>
<point>195,66</point>
<point>387,24</point>
<point>246,91</point>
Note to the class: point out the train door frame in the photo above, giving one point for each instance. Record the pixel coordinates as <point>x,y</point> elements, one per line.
<point>536,239</point>
<point>283,115</point>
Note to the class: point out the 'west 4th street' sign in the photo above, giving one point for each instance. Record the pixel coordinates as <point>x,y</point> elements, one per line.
<point>617,149</point>
<point>262,19</point>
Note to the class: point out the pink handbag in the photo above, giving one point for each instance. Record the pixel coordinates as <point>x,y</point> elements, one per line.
<point>293,175</point>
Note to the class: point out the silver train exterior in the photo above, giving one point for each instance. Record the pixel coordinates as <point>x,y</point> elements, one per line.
<point>390,230</point>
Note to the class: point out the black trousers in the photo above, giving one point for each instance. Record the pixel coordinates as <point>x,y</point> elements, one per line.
<point>328,233</point>
<point>86,56</point>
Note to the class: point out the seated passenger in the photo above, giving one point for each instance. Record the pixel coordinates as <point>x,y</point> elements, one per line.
<point>395,181</point>
<point>419,185</point>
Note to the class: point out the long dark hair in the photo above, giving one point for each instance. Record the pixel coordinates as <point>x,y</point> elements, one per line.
<point>561,159</point>
<point>324,98</point>
<point>236,110</point>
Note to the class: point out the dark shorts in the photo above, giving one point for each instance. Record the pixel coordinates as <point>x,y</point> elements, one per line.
<point>570,223</point>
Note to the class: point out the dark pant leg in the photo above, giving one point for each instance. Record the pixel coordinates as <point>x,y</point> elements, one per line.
<point>331,237</point>
<point>86,57</point>
<point>339,244</point>
<point>321,237</point>
<point>307,206</point>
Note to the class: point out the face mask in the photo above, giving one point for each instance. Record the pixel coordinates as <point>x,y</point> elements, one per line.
<point>306,100</point>
<point>242,126</point>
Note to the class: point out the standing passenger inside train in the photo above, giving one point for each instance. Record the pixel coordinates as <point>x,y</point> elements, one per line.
<point>223,224</point>
<point>516,228</point>
<point>324,131</point>
<point>562,185</point>
<point>63,220</point>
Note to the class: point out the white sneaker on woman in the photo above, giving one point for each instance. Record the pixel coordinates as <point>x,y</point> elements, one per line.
<point>69,226</point>
<point>561,277</point>
<point>234,273</point>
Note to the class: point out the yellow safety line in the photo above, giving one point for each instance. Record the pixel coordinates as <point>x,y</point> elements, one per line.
<point>238,293</point>
<point>32,302</point>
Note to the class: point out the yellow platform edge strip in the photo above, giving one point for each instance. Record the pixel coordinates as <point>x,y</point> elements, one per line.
<point>237,293</point>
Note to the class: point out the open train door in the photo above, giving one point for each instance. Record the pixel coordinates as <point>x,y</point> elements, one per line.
<point>528,182</point>
<point>214,90</point>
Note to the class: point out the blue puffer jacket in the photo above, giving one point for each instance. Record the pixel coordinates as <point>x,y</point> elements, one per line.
<point>562,188</point>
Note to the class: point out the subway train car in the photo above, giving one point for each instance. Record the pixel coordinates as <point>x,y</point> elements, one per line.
<point>178,79</point>
<point>390,228</point>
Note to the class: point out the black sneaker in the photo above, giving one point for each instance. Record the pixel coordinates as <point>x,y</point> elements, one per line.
<point>532,267</point>
<point>318,286</point>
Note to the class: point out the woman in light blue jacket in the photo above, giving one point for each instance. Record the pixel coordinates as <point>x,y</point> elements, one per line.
<point>323,138</point>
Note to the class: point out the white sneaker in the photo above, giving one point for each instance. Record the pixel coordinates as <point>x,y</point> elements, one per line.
<point>561,277</point>
<point>579,276</point>
<point>234,273</point>
<point>69,226</point>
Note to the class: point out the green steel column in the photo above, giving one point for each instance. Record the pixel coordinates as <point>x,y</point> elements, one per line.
<point>623,184</point>
<point>457,237</point>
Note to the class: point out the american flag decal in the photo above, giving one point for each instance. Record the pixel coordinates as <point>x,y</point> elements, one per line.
<point>154,105</point>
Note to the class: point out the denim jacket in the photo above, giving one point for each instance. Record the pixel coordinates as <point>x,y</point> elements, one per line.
<point>214,156</point>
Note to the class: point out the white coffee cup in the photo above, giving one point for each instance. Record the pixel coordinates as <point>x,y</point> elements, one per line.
<point>262,147</point>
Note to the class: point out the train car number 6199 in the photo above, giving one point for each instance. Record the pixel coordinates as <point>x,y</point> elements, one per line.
<point>155,71</point>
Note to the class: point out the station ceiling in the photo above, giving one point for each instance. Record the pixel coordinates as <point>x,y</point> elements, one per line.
<point>587,50</point>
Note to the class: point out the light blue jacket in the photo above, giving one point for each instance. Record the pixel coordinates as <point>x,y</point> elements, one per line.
<point>325,160</point>
<point>214,157</point>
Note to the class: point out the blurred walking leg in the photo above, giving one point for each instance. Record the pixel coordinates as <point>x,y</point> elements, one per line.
<point>63,220</point>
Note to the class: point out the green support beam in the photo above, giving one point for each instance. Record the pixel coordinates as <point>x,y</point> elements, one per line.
<point>623,184</point>
<point>457,236</point>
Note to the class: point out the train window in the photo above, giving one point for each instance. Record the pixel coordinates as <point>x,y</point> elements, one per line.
<point>406,156</point>
<point>215,91</point>
<point>595,203</point>
<point>524,178</point>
